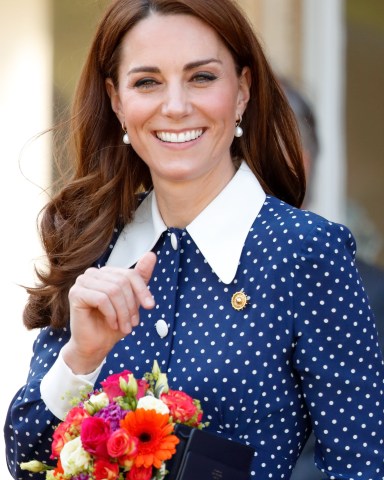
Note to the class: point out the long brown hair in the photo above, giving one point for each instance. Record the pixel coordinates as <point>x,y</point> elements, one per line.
<point>78,222</point>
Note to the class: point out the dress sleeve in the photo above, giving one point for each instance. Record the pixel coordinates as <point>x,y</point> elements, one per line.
<point>29,423</point>
<point>60,379</point>
<point>337,356</point>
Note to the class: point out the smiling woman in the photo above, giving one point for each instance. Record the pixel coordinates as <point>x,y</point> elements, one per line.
<point>180,110</point>
<point>179,238</point>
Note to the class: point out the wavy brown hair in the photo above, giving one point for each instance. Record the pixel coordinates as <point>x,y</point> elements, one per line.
<point>77,224</point>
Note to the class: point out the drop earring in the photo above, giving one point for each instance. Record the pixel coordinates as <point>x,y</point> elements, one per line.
<point>125,136</point>
<point>238,130</point>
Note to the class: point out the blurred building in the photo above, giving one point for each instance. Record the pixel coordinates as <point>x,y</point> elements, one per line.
<point>331,50</point>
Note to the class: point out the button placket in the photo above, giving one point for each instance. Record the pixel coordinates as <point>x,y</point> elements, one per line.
<point>174,241</point>
<point>163,325</point>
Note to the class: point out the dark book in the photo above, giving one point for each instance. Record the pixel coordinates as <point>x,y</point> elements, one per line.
<point>206,456</point>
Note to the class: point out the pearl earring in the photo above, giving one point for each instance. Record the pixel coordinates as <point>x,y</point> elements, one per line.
<point>125,136</point>
<point>238,130</point>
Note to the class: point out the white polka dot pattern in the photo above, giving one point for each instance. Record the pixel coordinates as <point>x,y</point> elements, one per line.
<point>302,354</point>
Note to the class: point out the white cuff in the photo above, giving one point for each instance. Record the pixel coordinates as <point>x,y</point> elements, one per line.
<point>60,385</point>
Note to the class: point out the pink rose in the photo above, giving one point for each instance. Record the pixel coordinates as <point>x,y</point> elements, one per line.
<point>95,432</point>
<point>111,385</point>
<point>182,407</point>
<point>121,443</point>
<point>139,473</point>
<point>142,386</point>
<point>105,470</point>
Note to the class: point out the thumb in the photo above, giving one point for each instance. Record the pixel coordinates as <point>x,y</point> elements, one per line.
<point>145,265</point>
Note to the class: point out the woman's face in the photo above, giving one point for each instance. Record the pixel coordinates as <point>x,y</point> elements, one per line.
<point>179,96</point>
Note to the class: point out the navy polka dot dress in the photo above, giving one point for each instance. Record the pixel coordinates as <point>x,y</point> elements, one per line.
<point>302,354</point>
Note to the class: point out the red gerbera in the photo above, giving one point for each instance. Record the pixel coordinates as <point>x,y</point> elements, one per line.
<point>156,442</point>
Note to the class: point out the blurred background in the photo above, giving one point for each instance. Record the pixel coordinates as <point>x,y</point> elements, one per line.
<point>331,50</point>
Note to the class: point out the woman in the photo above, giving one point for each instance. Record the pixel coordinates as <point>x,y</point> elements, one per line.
<point>248,303</point>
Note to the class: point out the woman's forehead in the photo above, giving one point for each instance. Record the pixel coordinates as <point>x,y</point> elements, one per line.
<point>181,35</point>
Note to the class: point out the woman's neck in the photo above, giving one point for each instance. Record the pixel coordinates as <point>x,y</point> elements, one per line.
<point>180,203</point>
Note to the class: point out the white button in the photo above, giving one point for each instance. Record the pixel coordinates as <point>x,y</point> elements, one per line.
<point>161,328</point>
<point>174,242</point>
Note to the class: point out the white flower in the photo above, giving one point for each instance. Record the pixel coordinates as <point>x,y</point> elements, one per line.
<point>96,403</point>
<point>74,459</point>
<point>162,472</point>
<point>151,403</point>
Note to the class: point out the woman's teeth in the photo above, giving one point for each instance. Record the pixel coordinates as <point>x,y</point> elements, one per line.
<point>182,137</point>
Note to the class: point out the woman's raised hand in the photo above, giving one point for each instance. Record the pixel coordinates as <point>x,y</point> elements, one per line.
<point>104,307</point>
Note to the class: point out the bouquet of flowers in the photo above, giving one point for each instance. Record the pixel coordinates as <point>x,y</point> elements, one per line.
<point>124,431</point>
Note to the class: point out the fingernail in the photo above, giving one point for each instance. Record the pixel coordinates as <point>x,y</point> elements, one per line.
<point>149,302</point>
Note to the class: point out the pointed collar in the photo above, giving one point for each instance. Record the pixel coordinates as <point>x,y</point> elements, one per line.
<point>219,231</point>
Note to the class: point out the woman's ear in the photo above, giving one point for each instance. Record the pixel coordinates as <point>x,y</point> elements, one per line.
<point>245,81</point>
<point>115,99</point>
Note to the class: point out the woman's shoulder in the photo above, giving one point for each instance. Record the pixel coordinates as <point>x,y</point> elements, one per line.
<point>281,218</point>
<point>282,213</point>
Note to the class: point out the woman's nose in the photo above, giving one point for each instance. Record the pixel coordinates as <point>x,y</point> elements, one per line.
<point>176,102</point>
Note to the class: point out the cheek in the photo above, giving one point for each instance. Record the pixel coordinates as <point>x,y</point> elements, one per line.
<point>223,106</point>
<point>136,111</point>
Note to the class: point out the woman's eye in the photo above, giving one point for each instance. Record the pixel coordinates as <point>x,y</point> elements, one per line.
<point>203,77</point>
<point>144,83</point>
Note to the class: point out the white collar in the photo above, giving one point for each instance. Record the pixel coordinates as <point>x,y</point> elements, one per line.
<point>219,231</point>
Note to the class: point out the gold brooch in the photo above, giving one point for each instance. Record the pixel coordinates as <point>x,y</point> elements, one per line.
<point>239,300</point>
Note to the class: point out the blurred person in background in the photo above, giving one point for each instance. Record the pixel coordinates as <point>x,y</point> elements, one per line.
<point>372,275</point>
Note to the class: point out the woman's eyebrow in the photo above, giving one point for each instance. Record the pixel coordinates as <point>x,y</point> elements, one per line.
<point>199,63</point>
<point>143,68</point>
<point>188,66</point>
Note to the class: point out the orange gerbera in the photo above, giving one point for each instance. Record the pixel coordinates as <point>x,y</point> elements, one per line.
<point>156,442</point>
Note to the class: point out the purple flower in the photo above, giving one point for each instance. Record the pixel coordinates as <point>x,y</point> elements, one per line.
<point>82,476</point>
<point>112,413</point>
